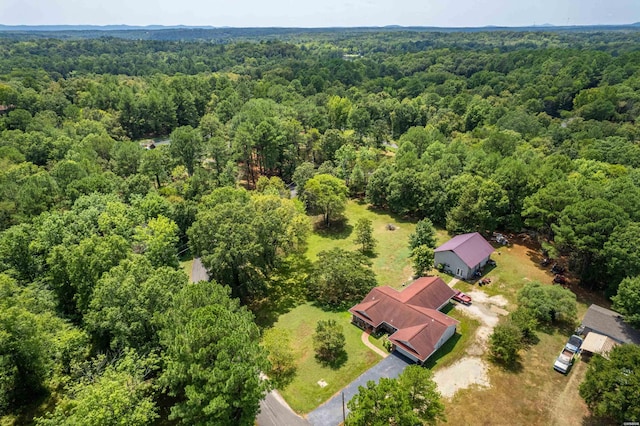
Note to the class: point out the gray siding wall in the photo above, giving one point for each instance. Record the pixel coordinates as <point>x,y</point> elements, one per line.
<point>451,330</point>
<point>407,354</point>
<point>454,265</point>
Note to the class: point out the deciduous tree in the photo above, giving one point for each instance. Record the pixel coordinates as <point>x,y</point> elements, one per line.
<point>278,344</point>
<point>422,258</point>
<point>327,195</point>
<point>411,399</point>
<point>549,303</point>
<point>505,342</point>
<point>341,277</point>
<point>610,386</point>
<point>329,341</point>
<point>121,394</point>
<point>627,300</point>
<point>424,235</point>
<point>364,234</point>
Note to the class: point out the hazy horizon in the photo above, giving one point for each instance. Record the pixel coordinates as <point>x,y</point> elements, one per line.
<point>330,13</point>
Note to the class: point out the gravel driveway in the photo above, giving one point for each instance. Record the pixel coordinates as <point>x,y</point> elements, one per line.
<point>472,369</point>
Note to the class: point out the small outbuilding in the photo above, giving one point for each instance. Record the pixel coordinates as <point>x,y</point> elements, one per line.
<point>595,343</point>
<point>463,255</point>
<point>609,323</point>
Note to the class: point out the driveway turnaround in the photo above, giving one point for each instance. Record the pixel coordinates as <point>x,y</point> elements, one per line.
<point>330,413</point>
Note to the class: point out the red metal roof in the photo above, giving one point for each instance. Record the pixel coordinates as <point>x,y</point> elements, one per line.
<point>471,248</point>
<point>412,312</point>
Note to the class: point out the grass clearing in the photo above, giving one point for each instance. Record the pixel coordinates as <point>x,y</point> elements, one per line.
<point>390,260</point>
<point>303,393</point>
<point>530,396</point>
<point>187,266</point>
<point>377,341</point>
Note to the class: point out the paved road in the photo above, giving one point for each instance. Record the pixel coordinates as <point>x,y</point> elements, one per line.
<point>330,413</point>
<point>274,411</point>
<point>198,271</point>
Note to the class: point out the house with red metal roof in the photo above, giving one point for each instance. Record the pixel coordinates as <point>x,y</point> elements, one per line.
<point>412,316</point>
<point>463,255</point>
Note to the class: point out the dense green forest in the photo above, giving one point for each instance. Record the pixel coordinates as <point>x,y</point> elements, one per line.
<point>482,131</point>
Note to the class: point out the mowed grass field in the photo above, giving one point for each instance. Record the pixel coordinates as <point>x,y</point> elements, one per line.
<point>532,394</point>
<point>390,258</point>
<point>391,263</point>
<point>304,394</point>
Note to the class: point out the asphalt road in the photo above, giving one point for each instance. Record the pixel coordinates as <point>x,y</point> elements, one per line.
<point>275,412</point>
<point>330,413</point>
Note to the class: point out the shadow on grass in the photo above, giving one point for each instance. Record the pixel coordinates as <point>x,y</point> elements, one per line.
<point>186,255</point>
<point>514,367</point>
<point>396,217</point>
<point>565,328</point>
<point>337,231</point>
<point>336,362</point>
<point>343,307</point>
<point>41,404</point>
<point>443,350</point>
<point>284,293</point>
<point>283,380</point>
<point>447,308</point>
<point>369,254</point>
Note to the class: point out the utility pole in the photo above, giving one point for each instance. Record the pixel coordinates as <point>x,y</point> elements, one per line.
<point>344,417</point>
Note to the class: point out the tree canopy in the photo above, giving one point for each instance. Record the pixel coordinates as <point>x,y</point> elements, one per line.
<point>410,399</point>
<point>122,156</point>
<point>213,359</point>
<point>341,278</point>
<point>609,387</point>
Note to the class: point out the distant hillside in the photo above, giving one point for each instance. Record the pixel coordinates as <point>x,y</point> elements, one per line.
<point>58,28</point>
<point>227,34</point>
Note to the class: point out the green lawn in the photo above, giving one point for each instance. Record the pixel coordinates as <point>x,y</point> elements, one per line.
<point>377,341</point>
<point>186,266</point>
<point>303,393</point>
<point>455,347</point>
<point>390,260</point>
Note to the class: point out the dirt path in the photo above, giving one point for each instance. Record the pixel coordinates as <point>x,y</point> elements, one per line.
<point>569,407</point>
<point>473,370</point>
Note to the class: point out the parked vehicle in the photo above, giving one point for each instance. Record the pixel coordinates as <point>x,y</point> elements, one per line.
<point>567,356</point>
<point>575,343</point>
<point>560,279</point>
<point>484,281</point>
<point>462,298</point>
<point>564,361</point>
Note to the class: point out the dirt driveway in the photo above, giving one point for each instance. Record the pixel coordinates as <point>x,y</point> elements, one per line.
<point>472,369</point>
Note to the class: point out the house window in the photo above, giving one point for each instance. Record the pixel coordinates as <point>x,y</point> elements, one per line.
<point>459,272</point>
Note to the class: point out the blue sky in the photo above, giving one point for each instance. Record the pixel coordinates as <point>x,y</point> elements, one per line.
<point>305,13</point>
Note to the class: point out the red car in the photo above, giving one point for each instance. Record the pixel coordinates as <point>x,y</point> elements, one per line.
<point>462,298</point>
